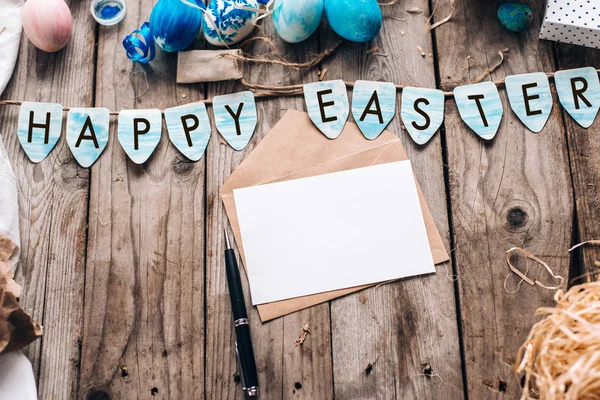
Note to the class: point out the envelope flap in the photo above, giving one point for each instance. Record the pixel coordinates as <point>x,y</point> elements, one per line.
<point>294,145</point>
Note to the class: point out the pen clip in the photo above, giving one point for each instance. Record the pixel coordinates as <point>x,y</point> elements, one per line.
<point>240,368</point>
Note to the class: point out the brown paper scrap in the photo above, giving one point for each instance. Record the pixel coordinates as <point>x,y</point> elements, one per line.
<point>209,66</point>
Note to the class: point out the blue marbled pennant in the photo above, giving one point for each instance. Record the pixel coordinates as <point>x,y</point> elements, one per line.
<point>373,106</point>
<point>327,105</point>
<point>189,129</point>
<point>480,107</point>
<point>40,126</point>
<point>139,133</point>
<point>579,93</point>
<point>87,133</point>
<point>530,98</point>
<point>422,112</point>
<point>235,118</point>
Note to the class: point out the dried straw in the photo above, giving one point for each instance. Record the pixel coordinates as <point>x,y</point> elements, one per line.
<point>561,356</point>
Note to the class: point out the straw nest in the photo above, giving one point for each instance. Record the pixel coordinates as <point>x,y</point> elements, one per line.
<point>561,356</point>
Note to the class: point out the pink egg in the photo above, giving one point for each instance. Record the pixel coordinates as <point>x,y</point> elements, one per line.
<point>47,23</point>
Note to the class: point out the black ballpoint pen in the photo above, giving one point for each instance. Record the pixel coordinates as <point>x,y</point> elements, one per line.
<point>243,345</point>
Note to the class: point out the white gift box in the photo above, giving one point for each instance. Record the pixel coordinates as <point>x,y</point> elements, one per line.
<point>572,21</point>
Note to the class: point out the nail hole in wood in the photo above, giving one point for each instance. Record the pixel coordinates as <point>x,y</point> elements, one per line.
<point>154,391</point>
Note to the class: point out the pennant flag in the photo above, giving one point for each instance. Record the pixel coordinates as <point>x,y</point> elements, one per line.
<point>189,129</point>
<point>235,117</point>
<point>139,133</point>
<point>87,133</point>
<point>40,126</point>
<point>480,107</point>
<point>530,98</point>
<point>579,93</point>
<point>373,106</point>
<point>422,112</point>
<point>327,106</point>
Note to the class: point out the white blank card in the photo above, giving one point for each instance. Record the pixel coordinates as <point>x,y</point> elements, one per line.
<point>333,231</point>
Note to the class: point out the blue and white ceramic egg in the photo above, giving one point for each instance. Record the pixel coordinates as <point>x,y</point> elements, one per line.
<point>296,20</point>
<point>174,25</point>
<point>228,21</point>
<point>354,20</point>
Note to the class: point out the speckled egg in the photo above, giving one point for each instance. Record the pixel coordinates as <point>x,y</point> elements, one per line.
<point>355,20</point>
<point>296,20</point>
<point>226,23</point>
<point>515,17</point>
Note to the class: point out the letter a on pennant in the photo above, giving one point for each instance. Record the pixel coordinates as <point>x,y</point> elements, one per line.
<point>480,107</point>
<point>87,133</point>
<point>235,117</point>
<point>189,129</point>
<point>422,112</point>
<point>530,99</point>
<point>373,106</point>
<point>579,93</point>
<point>139,133</point>
<point>328,106</point>
<point>40,126</point>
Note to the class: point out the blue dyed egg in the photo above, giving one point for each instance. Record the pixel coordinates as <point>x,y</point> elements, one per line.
<point>515,17</point>
<point>225,22</point>
<point>174,25</point>
<point>354,20</point>
<point>296,20</point>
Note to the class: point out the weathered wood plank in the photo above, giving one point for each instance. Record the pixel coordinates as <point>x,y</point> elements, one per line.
<point>144,298</point>
<point>284,370</point>
<point>583,149</point>
<point>512,191</point>
<point>53,206</point>
<point>388,339</point>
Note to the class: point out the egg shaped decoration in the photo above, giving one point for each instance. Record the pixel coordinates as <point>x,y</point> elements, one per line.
<point>354,20</point>
<point>47,23</point>
<point>174,24</point>
<point>296,20</point>
<point>516,17</point>
<point>228,21</point>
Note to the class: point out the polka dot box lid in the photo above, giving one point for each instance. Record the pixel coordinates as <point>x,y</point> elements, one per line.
<point>572,21</point>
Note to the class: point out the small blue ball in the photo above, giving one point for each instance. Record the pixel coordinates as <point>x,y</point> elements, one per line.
<point>354,20</point>
<point>515,17</point>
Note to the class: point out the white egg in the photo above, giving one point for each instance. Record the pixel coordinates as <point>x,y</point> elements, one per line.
<point>228,21</point>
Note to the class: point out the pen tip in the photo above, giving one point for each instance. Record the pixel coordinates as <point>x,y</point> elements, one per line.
<point>227,244</point>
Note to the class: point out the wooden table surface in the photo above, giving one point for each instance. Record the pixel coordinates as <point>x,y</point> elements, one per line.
<point>123,264</point>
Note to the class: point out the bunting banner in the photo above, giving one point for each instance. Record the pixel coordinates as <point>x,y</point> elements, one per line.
<point>373,106</point>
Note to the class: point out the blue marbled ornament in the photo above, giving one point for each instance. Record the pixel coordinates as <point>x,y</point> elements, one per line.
<point>515,17</point>
<point>227,22</point>
<point>354,20</point>
<point>175,24</point>
<point>296,20</point>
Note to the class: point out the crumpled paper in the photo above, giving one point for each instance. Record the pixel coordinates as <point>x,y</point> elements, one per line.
<point>17,328</point>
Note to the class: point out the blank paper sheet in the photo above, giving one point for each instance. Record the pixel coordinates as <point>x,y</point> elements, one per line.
<point>333,231</point>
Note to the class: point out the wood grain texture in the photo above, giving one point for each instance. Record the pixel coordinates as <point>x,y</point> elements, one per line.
<point>399,340</point>
<point>285,372</point>
<point>144,298</point>
<point>584,147</point>
<point>53,207</point>
<point>512,191</point>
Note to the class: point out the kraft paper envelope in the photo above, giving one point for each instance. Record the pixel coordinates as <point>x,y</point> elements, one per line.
<point>295,148</point>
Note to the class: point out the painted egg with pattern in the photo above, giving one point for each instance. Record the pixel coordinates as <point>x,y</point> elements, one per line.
<point>174,24</point>
<point>354,20</point>
<point>515,17</point>
<point>296,20</point>
<point>228,21</point>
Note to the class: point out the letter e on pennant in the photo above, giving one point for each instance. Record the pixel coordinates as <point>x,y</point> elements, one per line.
<point>530,98</point>
<point>328,106</point>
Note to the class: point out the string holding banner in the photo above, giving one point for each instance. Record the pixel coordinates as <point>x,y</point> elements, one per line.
<point>373,106</point>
